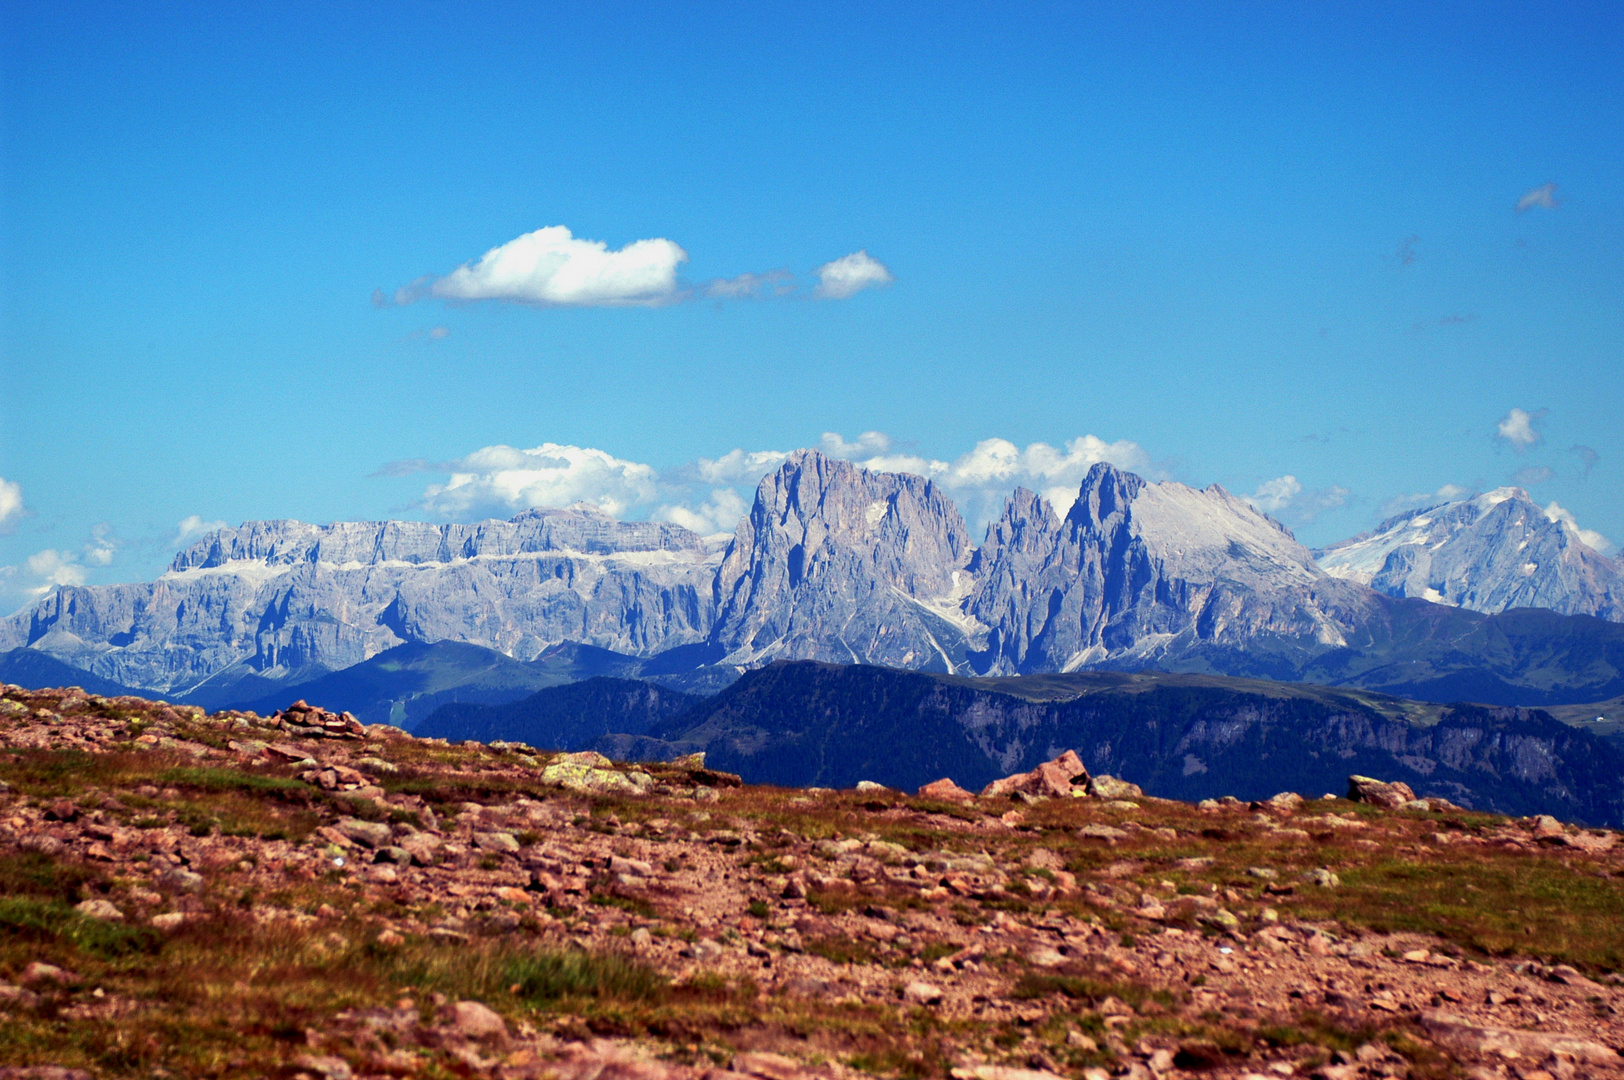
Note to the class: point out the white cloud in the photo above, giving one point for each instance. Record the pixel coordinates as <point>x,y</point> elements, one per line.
<point>1517,429</point>
<point>46,570</point>
<point>849,275</point>
<point>551,267</point>
<point>868,444</point>
<point>192,527</point>
<point>50,568</point>
<point>1591,537</point>
<point>1542,196</point>
<point>1398,504</point>
<point>102,545</point>
<point>749,286</point>
<point>505,479</point>
<point>719,513</point>
<point>981,477</point>
<point>1285,498</point>
<point>1276,494</point>
<point>11,503</point>
<point>737,466</point>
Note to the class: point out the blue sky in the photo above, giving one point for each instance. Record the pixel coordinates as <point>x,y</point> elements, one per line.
<point>1229,243</point>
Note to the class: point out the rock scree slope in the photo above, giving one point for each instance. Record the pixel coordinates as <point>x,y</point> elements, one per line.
<point>304,895</point>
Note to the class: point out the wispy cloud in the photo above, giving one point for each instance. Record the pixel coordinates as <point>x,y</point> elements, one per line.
<point>1287,499</point>
<point>850,275</point>
<point>1587,456</point>
<point>1398,504</point>
<point>1529,475</point>
<point>1543,196</point>
<point>11,504</point>
<point>192,527</point>
<point>750,286</point>
<point>1519,430</point>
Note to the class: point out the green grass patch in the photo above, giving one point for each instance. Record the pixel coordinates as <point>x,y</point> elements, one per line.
<point>625,903</point>
<point>1086,989</point>
<point>840,949</point>
<point>545,977</point>
<point>51,920</point>
<point>1493,905</point>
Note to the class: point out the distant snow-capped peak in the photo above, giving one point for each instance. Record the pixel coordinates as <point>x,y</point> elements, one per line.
<point>1492,551</point>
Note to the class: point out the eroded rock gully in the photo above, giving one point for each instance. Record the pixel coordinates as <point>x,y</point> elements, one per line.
<point>232,895</point>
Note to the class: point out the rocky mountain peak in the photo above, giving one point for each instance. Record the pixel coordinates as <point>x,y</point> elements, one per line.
<point>1489,552</point>
<point>841,563</point>
<point>1106,492</point>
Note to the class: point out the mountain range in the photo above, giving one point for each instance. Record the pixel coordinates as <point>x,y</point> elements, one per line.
<point>840,564</point>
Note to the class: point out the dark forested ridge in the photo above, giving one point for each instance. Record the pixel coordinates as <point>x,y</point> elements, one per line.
<point>571,717</point>
<point>1179,736</point>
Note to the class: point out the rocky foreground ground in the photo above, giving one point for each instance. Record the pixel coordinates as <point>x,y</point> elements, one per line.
<point>230,895</point>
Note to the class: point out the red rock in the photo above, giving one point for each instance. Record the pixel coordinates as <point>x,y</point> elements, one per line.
<point>1458,1033</point>
<point>945,790</point>
<point>38,972</point>
<point>1368,789</point>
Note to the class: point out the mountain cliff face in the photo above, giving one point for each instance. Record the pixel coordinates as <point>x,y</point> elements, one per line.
<point>841,564</point>
<point>1491,552</point>
<point>283,598</point>
<point>1143,573</point>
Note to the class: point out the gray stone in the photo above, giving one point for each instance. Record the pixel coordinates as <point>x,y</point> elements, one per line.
<point>501,842</point>
<point>100,909</point>
<point>372,834</point>
<point>178,879</point>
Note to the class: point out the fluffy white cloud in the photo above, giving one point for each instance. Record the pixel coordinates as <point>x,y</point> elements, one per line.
<point>192,527</point>
<point>554,268</point>
<point>50,568</point>
<point>849,275</point>
<point>737,466</point>
<point>1517,429</point>
<point>1591,537</point>
<point>11,503</point>
<point>551,267</point>
<point>710,495</point>
<point>981,477</point>
<point>719,513</point>
<point>1542,196</point>
<point>506,479</point>
<point>1285,498</point>
<point>1273,495</point>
